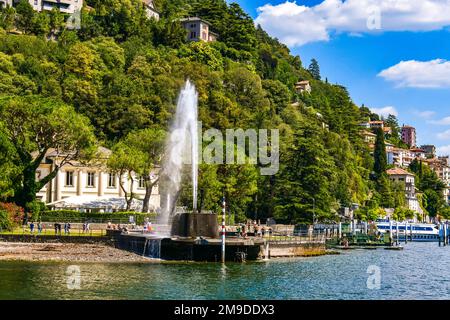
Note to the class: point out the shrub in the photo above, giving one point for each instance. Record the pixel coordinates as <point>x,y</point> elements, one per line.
<point>11,216</point>
<point>35,208</point>
<point>76,216</point>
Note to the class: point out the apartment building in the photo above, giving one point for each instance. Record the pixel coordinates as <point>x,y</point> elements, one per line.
<point>400,157</point>
<point>441,166</point>
<point>403,176</point>
<point>409,135</point>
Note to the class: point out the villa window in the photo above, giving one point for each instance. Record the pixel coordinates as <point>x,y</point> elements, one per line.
<point>141,182</point>
<point>69,179</point>
<point>193,35</point>
<point>111,180</point>
<point>91,179</point>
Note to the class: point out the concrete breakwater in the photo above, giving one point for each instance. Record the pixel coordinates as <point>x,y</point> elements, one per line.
<point>208,249</point>
<point>280,250</point>
<point>146,245</point>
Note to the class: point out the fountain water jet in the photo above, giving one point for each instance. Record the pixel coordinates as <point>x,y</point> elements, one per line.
<point>181,148</point>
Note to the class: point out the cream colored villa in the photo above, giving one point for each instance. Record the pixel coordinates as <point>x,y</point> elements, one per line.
<point>65,6</point>
<point>80,181</point>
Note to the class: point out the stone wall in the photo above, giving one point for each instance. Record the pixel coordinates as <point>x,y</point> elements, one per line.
<point>295,250</point>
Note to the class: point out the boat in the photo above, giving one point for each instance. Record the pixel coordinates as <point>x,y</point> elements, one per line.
<point>423,232</point>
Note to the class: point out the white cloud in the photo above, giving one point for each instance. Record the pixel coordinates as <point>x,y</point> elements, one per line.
<point>296,24</point>
<point>444,135</point>
<point>425,114</point>
<point>385,112</point>
<point>419,74</point>
<point>443,150</point>
<point>443,122</point>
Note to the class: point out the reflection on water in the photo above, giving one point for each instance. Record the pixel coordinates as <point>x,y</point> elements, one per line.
<point>418,272</point>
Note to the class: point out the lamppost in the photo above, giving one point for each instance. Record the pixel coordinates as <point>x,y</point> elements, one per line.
<point>314,211</point>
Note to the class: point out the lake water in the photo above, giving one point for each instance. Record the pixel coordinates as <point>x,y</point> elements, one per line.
<point>420,271</point>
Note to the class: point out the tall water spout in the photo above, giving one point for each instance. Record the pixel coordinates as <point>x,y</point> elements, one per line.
<point>181,148</point>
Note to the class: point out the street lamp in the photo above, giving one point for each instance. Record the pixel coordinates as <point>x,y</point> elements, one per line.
<point>314,210</point>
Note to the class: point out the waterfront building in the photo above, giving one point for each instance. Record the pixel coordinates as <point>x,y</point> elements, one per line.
<point>409,135</point>
<point>387,130</point>
<point>430,150</point>
<point>198,30</point>
<point>369,137</point>
<point>151,10</point>
<point>389,146</point>
<point>418,153</point>
<point>89,179</point>
<point>441,167</point>
<point>372,124</point>
<point>400,157</point>
<point>303,86</point>
<point>408,179</point>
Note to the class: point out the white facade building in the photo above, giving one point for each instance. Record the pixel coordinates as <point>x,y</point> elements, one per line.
<point>400,157</point>
<point>403,176</point>
<point>65,6</point>
<point>303,86</point>
<point>198,30</point>
<point>78,179</point>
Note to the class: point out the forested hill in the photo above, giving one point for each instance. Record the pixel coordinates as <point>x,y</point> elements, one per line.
<point>123,72</point>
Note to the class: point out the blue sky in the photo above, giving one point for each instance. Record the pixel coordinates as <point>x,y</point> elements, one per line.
<point>361,44</point>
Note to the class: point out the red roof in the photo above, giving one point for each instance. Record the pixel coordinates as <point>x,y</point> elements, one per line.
<point>398,172</point>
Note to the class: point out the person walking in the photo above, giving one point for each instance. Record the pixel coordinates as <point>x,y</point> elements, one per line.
<point>32,227</point>
<point>39,227</point>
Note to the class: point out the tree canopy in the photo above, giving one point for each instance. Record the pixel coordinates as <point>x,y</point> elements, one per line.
<point>116,81</point>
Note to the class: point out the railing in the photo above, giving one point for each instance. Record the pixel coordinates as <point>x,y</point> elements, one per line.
<point>298,237</point>
<point>49,230</point>
<point>124,220</point>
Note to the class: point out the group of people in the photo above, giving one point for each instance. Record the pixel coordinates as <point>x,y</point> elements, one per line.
<point>111,226</point>
<point>58,227</point>
<point>148,227</point>
<point>253,227</point>
<point>40,227</point>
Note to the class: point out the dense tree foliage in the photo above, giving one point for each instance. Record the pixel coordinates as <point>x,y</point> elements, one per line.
<point>35,126</point>
<point>123,72</point>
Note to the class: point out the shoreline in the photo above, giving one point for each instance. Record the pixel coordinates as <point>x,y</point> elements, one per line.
<point>67,252</point>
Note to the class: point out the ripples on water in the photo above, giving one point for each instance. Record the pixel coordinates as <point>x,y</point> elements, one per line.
<point>421,271</point>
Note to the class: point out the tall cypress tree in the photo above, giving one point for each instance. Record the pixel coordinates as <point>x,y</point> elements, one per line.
<point>314,69</point>
<point>380,155</point>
